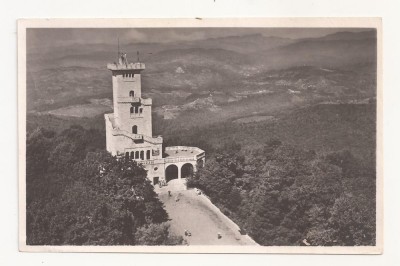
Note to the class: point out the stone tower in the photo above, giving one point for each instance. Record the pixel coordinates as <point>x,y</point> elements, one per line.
<point>132,113</point>
<point>129,131</point>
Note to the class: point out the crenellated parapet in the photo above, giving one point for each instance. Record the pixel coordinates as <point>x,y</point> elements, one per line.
<point>130,66</point>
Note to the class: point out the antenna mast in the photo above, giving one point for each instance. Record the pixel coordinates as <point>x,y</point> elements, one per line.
<point>118,51</point>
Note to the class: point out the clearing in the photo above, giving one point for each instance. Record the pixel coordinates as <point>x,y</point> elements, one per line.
<point>204,220</point>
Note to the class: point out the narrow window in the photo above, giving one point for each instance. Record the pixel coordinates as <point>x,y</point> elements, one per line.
<point>148,154</point>
<point>131,94</point>
<point>142,155</point>
<point>131,110</point>
<point>136,109</point>
<point>134,129</point>
<point>132,155</point>
<point>127,156</point>
<point>137,154</point>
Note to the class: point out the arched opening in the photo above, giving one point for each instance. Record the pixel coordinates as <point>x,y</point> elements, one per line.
<point>200,163</point>
<point>134,129</point>
<point>137,154</point>
<point>148,155</point>
<point>186,170</point>
<point>132,155</point>
<point>171,172</point>
<point>142,155</point>
<point>136,109</point>
<point>131,94</point>
<point>126,155</point>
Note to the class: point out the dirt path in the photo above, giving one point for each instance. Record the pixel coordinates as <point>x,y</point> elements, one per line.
<point>204,220</point>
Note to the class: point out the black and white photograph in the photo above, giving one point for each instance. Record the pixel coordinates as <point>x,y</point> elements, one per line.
<point>228,137</point>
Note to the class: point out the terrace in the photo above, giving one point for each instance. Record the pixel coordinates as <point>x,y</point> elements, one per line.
<point>183,152</point>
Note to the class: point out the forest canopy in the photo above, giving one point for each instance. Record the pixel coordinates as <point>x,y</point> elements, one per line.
<point>78,194</point>
<point>282,183</point>
<point>282,195</point>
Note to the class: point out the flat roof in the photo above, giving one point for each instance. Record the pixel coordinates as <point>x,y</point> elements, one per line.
<point>181,151</point>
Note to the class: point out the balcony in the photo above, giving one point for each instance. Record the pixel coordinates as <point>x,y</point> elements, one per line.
<point>129,100</point>
<point>118,132</point>
<point>183,154</point>
<point>134,100</point>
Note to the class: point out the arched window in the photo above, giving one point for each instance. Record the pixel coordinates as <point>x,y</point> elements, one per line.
<point>137,154</point>
<point>132,155</point>
<point>148,155</point>
<point>132,110</point>
<point>134,129</point>
<point>131,94</point>
<point>126,155</point>
<point>142,155</point>
<point>136,109</point>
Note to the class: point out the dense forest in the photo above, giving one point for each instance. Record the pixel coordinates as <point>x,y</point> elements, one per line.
<point>282,195</point>
<point>308,177</point>
<point>77,194</point>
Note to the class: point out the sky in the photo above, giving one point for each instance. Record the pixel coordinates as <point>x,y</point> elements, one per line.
<point>67,36</point>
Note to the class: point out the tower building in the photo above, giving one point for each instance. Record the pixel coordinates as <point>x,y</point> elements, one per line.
<point>129,131</point>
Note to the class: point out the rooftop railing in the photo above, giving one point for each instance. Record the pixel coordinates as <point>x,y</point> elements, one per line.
<point>134,66</point>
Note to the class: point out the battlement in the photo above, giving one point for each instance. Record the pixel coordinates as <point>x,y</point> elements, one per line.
<point>130,66</point>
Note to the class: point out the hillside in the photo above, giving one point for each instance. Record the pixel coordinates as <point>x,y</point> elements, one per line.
<point>59,76</point>
<point>329,51</point>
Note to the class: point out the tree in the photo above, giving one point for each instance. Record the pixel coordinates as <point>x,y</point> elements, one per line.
<point>156,235</point>
<point>87,197</point>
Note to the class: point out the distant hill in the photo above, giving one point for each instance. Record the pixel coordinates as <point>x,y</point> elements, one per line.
<point>58,75</point>
<point>243,44</point>
<point>333,50</point>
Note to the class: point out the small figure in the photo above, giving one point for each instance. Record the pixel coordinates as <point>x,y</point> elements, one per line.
<point>219,235</point>
<point>305,242</point>
<point>169,193</point>
<point>187,233</point>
